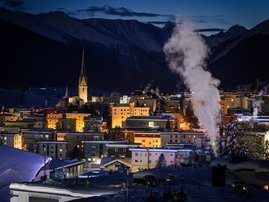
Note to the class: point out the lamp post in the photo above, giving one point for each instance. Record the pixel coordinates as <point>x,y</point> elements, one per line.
<point>127,184</point>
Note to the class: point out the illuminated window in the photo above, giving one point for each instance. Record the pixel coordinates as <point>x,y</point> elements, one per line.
<point>60,150</point>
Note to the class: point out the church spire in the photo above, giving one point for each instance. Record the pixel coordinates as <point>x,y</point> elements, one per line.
<point>66,95</point>
<point>83,68</point>
<point>82,84</point>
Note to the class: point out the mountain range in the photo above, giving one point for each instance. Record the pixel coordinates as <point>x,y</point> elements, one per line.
<point>45,50</point>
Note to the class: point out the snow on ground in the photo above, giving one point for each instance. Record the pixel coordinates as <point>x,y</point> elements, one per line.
<point>197,186</point>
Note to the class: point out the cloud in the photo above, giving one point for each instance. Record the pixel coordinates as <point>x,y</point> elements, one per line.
<point>123,12</point>
<point>70,13</point>
<point>14,4</point>
<point>158,22</point>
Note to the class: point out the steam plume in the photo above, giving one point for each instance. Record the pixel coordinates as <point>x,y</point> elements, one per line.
<point>185,53</point>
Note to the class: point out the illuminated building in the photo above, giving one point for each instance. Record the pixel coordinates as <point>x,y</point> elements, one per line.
<point>66,124</point>
<point>149,122</point>
<point>54,149</point>
<point>8,117</point>
<point>95,124</point>
<point>79,119</point>
<point>121,112</point>
<point>77,139</point>
<point>31,137</point>
<point>53,119</point>
<point>96,149</point>
<point>82,97</point>
<point>179,137</point>
<point>147,139</point>
<point>11,140</point>
<point>20,123</point>
<point>234,100</point>
<point>147,158</point>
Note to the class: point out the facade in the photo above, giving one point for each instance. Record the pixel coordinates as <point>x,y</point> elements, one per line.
<point>147,158</point>
<point>8,117</point>
<point>31,137</point>
<point>78,140</point>
<point>54,149</point>
<point>149,122</point>
<point>95,150</point>
<point>11,140</point>
<point>234,100</point>
<point>180,137</point>
<point>121,112</point>
<point>66,124</point>
<point>53,119</point>
<point>79,120</point>
<point>120,150</point>
<point>94,124</point>
<point>147,139</point>
<point>20,123</point>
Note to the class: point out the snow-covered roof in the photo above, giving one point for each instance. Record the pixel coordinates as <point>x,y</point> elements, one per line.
<point>55,163</point>
<point>160,150</point>
<point>81,192</point>
<point>18,165</point>
<point>126,162</point>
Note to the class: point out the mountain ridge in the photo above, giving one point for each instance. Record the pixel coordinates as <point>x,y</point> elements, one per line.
<point>125,53</point>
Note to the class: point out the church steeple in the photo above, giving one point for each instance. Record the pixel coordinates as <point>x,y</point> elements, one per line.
<point>66,95</point>
<point>82,84</point>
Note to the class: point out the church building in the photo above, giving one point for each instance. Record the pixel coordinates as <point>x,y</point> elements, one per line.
<point>82,97</point>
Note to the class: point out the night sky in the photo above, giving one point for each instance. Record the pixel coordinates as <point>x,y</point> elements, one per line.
<point>219,14</point>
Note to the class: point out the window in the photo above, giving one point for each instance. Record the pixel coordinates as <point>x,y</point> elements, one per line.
<point>136,161</point>
<point>116,149</point>
<point>136,154</point>
<point>140,160</point>
<point>60,150</point>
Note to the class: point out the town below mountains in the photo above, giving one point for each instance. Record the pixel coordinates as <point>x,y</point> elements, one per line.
<point>45,50</point>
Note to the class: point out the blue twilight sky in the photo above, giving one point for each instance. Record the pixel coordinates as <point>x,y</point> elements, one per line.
<point>206,13</point>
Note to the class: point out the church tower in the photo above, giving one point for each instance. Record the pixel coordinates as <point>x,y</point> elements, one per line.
<point>82,83</point>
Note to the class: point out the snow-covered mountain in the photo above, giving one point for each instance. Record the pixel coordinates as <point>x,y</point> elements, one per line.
<point>110,33</point>
<point>117,50</point>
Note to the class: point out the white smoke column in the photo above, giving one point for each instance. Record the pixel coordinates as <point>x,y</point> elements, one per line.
<point>185,53</point>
